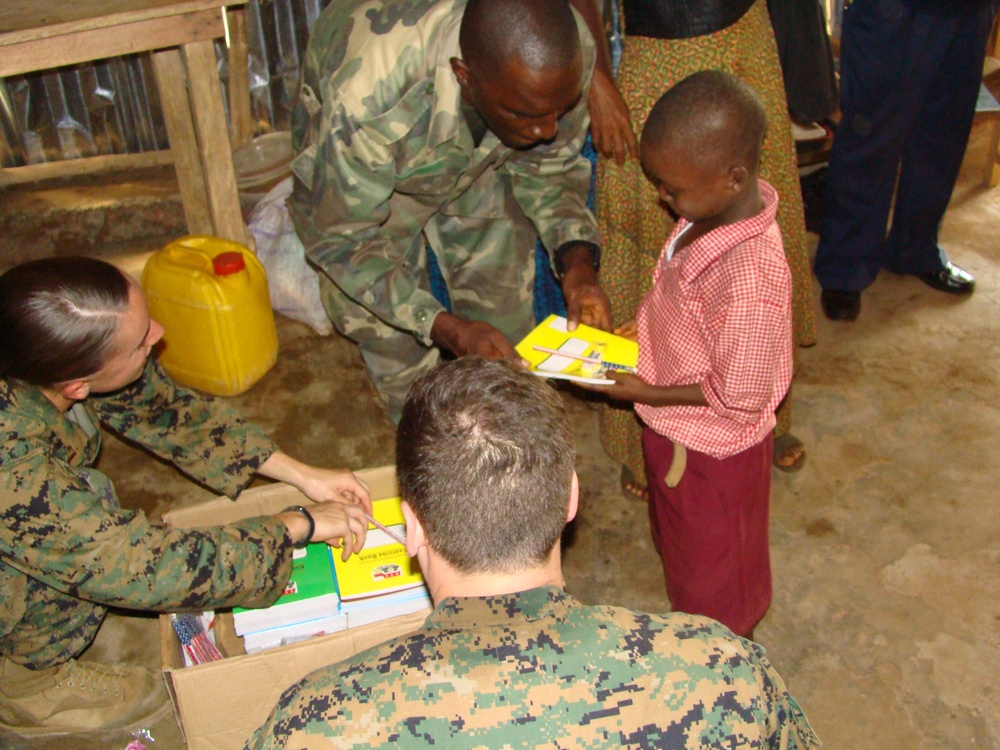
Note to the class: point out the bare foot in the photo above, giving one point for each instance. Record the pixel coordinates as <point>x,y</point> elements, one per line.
<point>632,486</point>
<point>789,453</point>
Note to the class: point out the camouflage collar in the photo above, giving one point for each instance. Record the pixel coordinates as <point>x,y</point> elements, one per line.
<point>27,400</point>
<point>471,612</point>
<point>29,418</point>
<point>447,96</point>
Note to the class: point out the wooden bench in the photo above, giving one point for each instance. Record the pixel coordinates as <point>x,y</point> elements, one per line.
<point>988,110</point>
<point>43,34</point>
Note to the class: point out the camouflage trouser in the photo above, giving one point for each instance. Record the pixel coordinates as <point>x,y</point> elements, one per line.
<point>54,628</point>
<point>486,257</point>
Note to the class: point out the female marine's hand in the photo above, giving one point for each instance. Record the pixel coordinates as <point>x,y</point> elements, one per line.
<point>338,524</point>
<point>341,485</point>
<point>317,483</point>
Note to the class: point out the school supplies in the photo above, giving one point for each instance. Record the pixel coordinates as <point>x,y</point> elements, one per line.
<point>584,355</point>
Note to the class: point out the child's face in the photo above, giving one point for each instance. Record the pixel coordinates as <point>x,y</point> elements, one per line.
<point>691,190</point>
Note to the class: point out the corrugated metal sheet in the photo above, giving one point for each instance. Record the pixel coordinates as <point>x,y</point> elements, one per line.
<point>111,106</point>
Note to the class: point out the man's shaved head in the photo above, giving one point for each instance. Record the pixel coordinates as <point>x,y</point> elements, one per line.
<point>540,34</point>
<point>521,67</point>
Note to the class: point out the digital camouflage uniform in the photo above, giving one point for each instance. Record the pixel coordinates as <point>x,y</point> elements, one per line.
<point>539,669</point>
<point>387,162</point>
<point>68,551</point>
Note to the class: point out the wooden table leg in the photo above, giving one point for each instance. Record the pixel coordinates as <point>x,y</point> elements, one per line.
<point>213,141</point>
<point>991,154</point>
<point>171,83</point>
<point>241,119</point>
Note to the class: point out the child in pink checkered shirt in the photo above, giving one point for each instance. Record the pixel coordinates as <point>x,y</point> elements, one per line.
<point>715,350</point>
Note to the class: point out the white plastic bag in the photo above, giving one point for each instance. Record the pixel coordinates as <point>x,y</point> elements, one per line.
<point>292,283</point>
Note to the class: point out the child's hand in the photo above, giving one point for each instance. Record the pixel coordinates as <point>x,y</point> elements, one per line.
<point>627,387</point>
<point>624,387</point>
<point>628,330</point>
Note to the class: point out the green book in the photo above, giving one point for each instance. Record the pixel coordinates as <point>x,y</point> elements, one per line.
<point>311,593</point>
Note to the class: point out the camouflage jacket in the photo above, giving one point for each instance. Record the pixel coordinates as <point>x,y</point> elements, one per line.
<point>382,144</point>
<point>539,669</point>
<point>68,551</point>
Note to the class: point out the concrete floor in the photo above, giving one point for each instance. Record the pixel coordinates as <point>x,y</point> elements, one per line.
<point>886,546</point>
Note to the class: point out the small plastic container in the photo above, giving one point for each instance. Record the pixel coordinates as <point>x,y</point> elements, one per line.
<point>263,162</point>
<point>211,297</point>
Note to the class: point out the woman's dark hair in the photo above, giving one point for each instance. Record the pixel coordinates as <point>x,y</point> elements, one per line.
<point>58,318</point>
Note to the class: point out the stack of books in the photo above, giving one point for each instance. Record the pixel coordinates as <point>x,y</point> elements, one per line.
<point>381,580</point>
<point>326,595</point>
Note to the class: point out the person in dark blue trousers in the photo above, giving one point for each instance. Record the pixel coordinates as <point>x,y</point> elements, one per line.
<point>910,75</point>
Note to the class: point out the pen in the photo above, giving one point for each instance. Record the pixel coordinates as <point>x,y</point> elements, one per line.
<point>388,531</point>
<point>588,360</point>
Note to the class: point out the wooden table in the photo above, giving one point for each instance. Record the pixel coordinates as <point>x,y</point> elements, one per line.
<point>42,34</point>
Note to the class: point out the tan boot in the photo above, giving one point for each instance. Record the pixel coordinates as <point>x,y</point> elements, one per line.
<point>78,697</point>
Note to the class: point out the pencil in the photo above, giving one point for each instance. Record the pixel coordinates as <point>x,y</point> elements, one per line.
<point>588,360</point>
<point>386,529</point>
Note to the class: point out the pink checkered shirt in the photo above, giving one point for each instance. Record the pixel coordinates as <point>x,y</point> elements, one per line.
<point>720,315</point>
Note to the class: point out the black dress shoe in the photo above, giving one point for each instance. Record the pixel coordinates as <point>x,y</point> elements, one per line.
<point>950,279</point>
<point>841,304</point>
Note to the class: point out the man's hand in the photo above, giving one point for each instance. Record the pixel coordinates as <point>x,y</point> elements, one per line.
<point>610,126</point>
<point>464,337</point>
<point>585,301</point>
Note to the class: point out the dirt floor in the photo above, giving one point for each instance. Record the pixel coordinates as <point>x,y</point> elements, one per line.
<point>886,546</point>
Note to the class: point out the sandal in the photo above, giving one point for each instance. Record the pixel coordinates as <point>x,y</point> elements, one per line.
<point>789,453</point>
<point>632,486</point>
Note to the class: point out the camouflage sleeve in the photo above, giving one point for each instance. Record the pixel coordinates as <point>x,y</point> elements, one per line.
<point>363,101</point>
<point>355,233</point>
<point>65,529</point>
<point>551,182</point>
<point>787,725</point>
<point>202,436</point>
<point>351,221</point>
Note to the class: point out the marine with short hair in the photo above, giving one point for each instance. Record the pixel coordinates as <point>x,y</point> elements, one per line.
<point>508,658</point>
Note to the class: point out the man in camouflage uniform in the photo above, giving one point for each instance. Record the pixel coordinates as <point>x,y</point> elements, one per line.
<point>68,552</point>
<point>457,124</point>
<point>507,658</point>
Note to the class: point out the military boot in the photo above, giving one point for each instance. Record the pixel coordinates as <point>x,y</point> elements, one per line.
<point>78,697</point>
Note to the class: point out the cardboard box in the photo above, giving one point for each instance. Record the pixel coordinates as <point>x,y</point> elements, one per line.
<point>220,704</point>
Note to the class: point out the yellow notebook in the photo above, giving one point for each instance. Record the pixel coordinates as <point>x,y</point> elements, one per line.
<point>382,565</point>
<point>584,355</point>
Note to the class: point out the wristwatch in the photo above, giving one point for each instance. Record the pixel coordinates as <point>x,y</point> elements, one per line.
<point>312,524</point>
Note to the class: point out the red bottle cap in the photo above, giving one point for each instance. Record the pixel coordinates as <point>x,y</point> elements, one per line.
<point>226,264</point>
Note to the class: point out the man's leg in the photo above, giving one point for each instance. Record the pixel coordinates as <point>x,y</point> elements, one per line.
<point>933,154</point>
<point>882,92</point>
<point>394,359</point>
